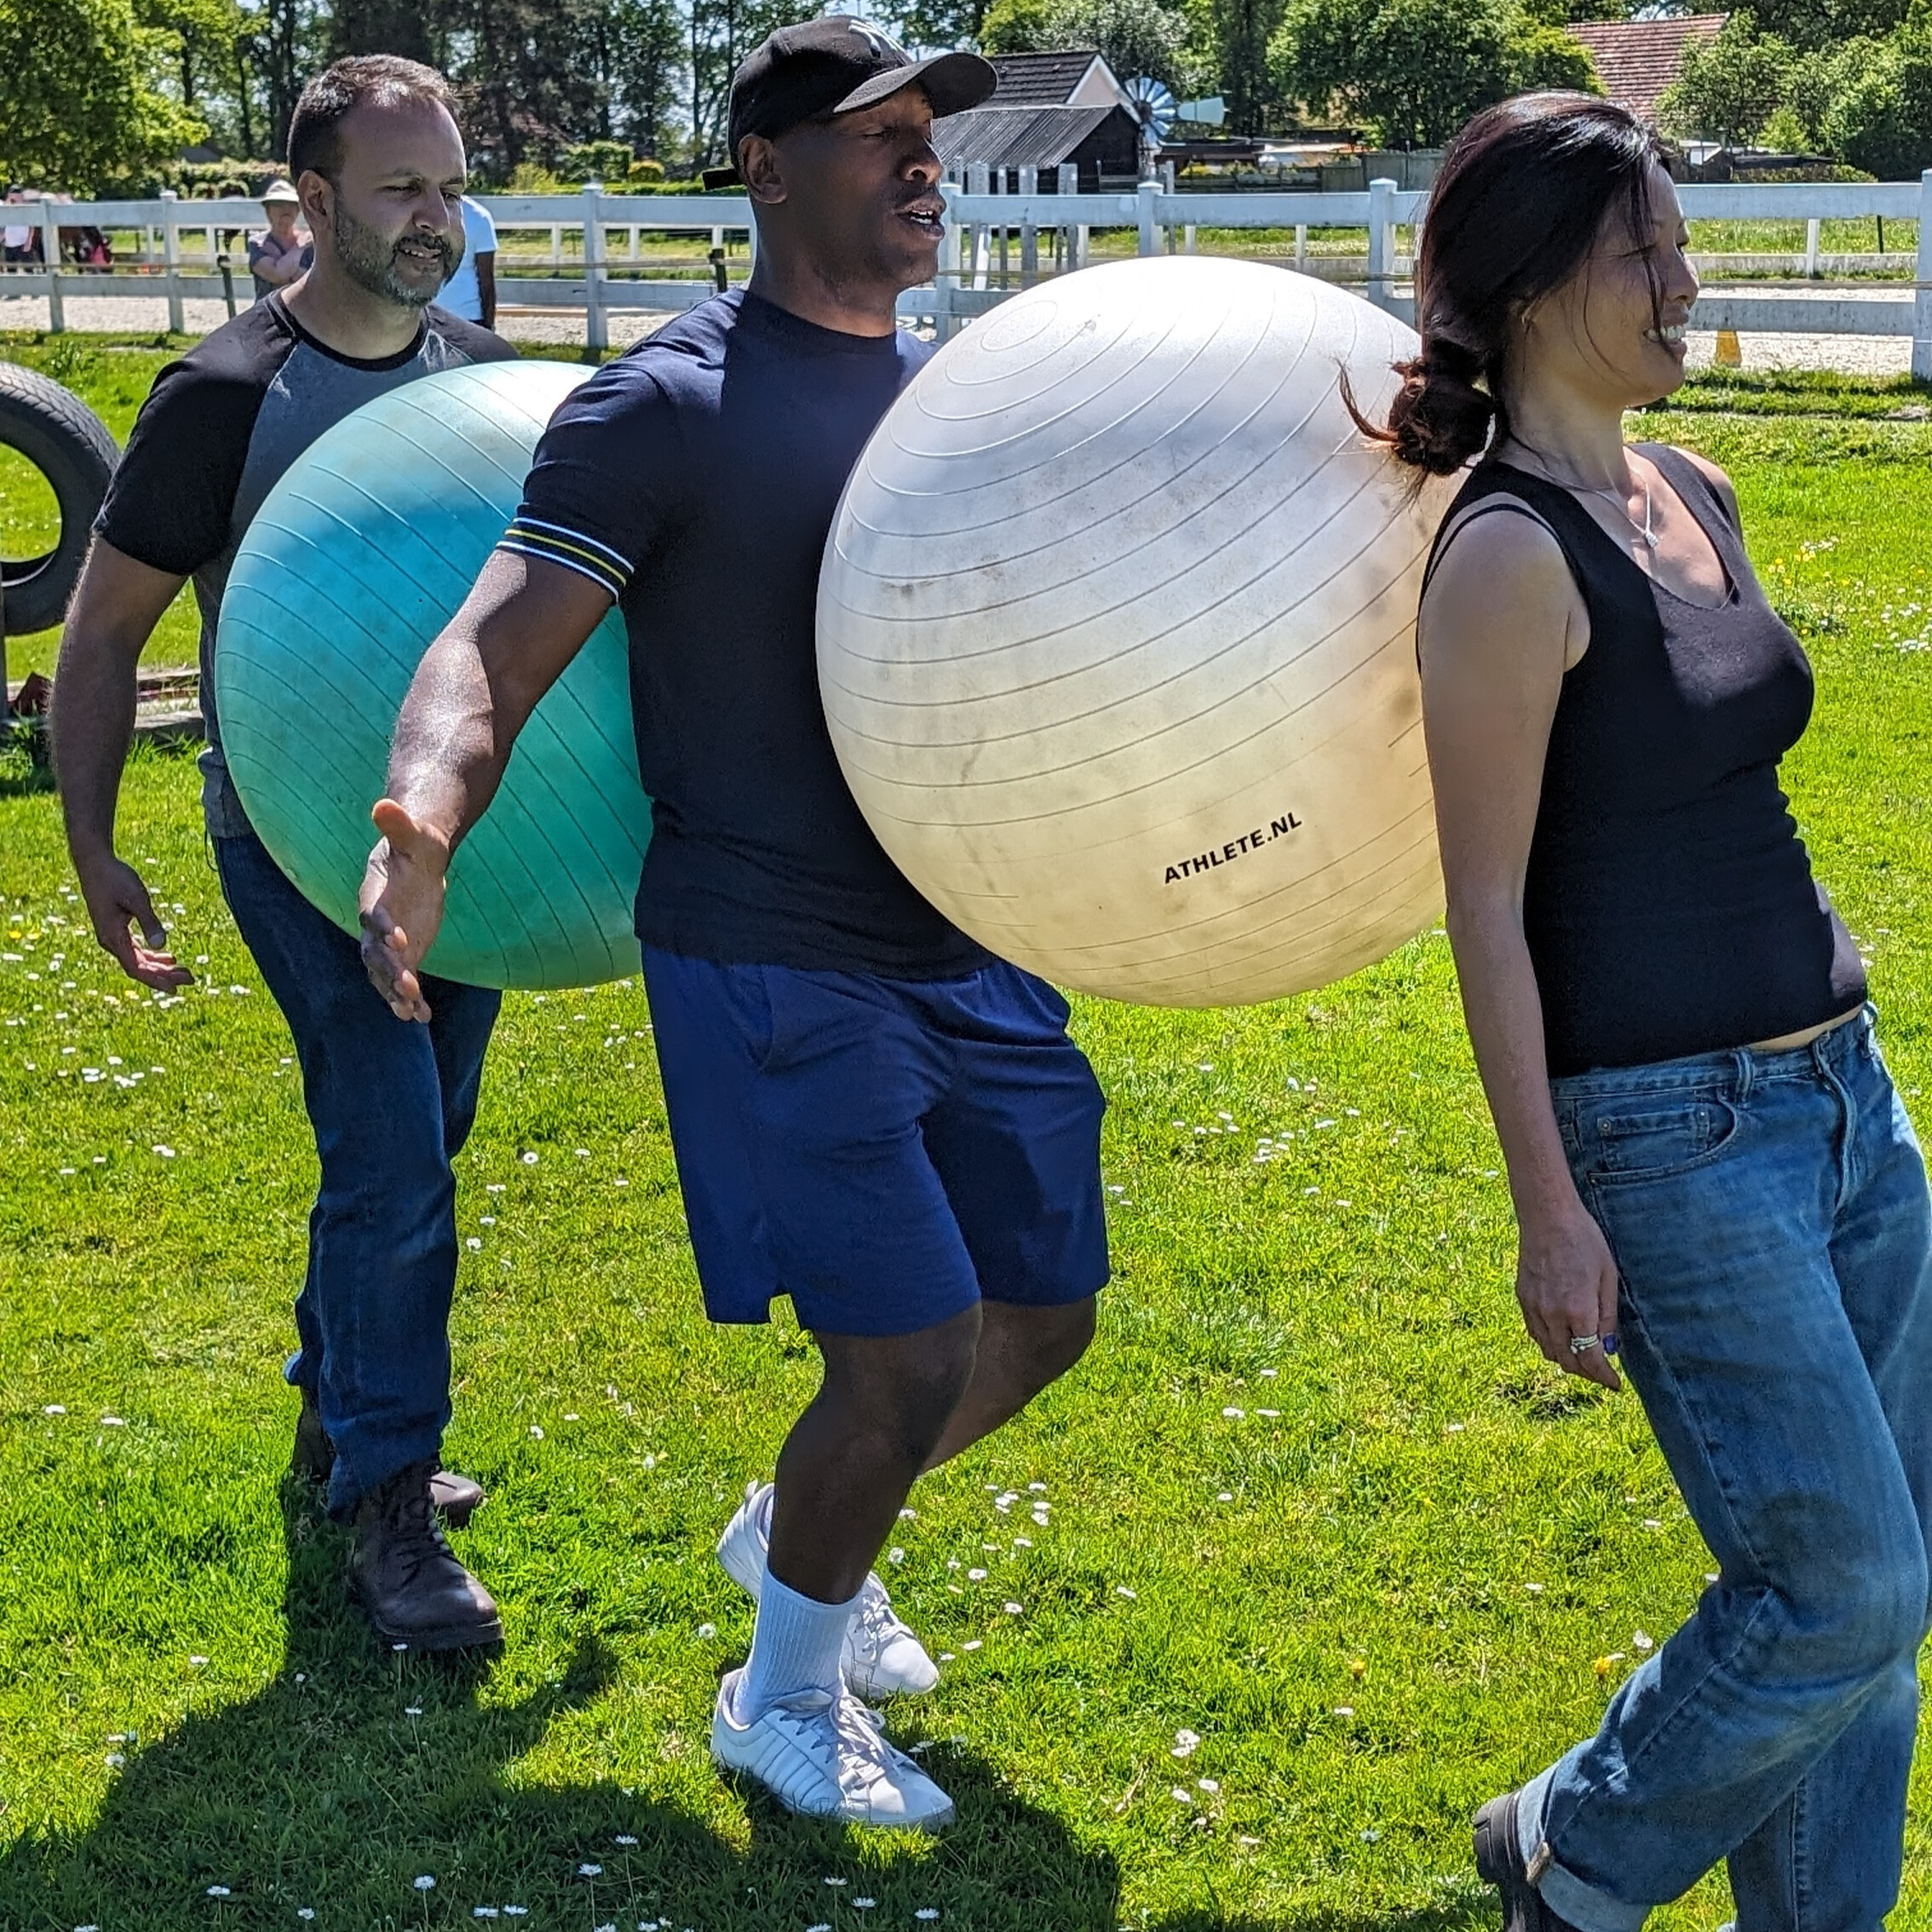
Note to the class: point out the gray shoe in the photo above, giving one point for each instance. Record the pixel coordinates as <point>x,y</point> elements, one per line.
<point>1501,1861</point>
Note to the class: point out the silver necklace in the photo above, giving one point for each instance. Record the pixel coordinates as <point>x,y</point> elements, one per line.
<point>1646,529</point>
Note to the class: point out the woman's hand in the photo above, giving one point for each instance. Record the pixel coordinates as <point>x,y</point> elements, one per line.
<point>1567,1287</point>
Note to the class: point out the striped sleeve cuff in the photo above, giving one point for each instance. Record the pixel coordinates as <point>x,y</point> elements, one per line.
<point>532,537</point>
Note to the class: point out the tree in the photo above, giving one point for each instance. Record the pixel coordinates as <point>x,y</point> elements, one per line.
<point>941,23</point>
<point>1136,36</point>
<point>645,74</point>
<point>1243,35</point>
<point>1731,85</point>
<point>1412,72</point>
<point>1881,118</point>
<point>1537,55</point>
<point>1814,25</point>
<point>79,111</point>
<point>720,33</point>
<point>521,75</point>
<point>407,27</point>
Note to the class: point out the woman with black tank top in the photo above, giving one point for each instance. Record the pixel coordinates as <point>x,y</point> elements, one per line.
<point>1709,1164</point>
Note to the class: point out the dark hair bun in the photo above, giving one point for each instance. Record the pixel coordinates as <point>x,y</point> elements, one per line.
<point>1439,418</point>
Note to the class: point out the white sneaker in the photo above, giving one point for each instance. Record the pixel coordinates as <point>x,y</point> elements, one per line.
<point>825,1757</point>
<point>880,1656</point>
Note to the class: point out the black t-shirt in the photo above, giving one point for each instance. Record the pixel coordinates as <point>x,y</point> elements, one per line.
<point>695,479</point>
<point>216,432</point>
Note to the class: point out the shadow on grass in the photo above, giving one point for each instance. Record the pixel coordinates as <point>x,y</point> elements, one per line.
<point>322,1799</point>
<point>352,1773</point>
<point>1473,1914</point>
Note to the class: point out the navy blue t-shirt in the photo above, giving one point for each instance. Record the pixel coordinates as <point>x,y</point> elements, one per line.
<point>695,478</point>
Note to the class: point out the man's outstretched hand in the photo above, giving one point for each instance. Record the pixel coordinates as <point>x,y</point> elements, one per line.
<point>401,906</point>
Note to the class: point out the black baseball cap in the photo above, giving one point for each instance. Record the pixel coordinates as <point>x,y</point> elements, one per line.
<point>835,64</point>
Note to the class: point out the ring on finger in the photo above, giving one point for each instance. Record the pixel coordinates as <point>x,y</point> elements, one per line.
<point>1582,1344</point>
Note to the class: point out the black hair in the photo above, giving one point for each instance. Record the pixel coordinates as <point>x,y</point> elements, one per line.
<point>315,142</point>
<point>1525,190</point>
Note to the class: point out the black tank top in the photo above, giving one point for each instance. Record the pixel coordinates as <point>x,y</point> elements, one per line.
<point>1668,905</point>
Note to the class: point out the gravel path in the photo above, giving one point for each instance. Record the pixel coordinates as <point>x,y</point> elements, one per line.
<point>1852,355</point>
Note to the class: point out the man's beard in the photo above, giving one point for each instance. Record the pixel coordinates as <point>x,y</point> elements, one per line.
<point>370,260</point>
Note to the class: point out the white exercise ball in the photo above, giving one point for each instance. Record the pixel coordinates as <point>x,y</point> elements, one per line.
<point>1116,636</point>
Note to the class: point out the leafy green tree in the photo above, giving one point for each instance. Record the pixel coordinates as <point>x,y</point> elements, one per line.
<point>1136,37</point>
<point>941,23</point>
<point>1016,27</point>
<point>1880,119</point>
<point>79,110</point>
<point>1412,72</point>
<point>645,73</point>
<point>719,34</point>
<point>1537,55</point>
<point>1730,86</point>
<point>526,85</point>
<point>1250,79</point>
<point>408,27</point>
<point>1820,25</point>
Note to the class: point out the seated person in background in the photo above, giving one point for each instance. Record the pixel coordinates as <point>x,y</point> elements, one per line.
<point>276,258</point>
<point>20,237</point>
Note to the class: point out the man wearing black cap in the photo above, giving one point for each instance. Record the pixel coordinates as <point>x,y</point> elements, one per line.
<point>871,1115</point>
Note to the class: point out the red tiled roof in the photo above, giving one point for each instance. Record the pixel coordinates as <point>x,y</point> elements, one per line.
<point>1637,59</point>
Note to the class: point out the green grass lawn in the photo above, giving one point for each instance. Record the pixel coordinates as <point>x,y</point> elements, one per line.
<point>1312,1500</point>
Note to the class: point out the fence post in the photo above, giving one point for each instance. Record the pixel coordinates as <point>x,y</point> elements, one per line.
<point>1381,240</point>
<point>1922,286</point>
<point>1150,235</point>
<point>171,261</point>
<point>979,181</point>
<point>945,278</point>
<point>596,337</point>
<point>1029,234</point>
<point>50,247</point>
<point>1811,229</point>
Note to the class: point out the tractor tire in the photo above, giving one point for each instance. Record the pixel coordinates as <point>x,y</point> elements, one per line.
<point>69,445</point>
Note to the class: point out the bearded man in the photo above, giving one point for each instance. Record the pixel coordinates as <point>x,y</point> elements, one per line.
<point>378,164</point>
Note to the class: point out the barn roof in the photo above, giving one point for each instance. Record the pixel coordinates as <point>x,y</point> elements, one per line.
<point>1014,137</point>
<point>1637,59</point>
<point>1041,80</point>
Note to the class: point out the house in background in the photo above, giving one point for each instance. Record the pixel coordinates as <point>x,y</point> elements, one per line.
<point>1637,59</point>
<point>1048,109</point>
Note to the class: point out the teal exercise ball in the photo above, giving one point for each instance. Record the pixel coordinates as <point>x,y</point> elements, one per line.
<point>360,554</point>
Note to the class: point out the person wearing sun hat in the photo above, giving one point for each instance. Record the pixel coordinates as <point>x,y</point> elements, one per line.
<point>871,1115</point>
<point>283,252</point>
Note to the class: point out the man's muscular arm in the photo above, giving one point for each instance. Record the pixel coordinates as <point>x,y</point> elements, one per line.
<point>473,692</point>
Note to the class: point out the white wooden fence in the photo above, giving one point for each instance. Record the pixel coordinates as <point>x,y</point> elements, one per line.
<point>1052,232</point>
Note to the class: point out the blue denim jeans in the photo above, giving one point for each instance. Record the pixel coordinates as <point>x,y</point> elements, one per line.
<point>1769,1218</point>
<point>391,1102</point>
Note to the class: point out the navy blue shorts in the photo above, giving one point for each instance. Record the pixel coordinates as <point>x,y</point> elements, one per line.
<point>885,1151</point>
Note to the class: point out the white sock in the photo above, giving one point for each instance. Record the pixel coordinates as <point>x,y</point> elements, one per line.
<point>795,1646</point>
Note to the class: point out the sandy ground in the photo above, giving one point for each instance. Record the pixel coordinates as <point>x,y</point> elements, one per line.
<point>1857,355</point>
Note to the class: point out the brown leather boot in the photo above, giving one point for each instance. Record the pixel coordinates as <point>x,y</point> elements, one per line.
<point>408,1580</point>
<point>1502,1861</point>
<point>458,1496</point>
